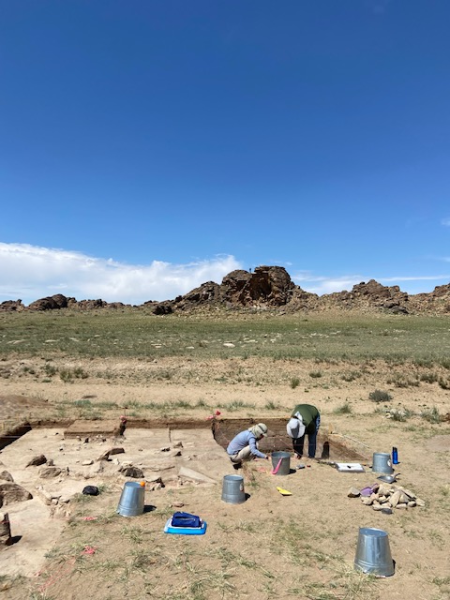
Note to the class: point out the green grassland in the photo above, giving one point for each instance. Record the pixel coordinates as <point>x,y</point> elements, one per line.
<point>424,340</point>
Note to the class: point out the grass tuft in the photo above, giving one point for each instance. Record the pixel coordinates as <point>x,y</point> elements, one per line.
<point>380,396</point>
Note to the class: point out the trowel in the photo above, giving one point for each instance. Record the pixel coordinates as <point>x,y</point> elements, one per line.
<point>284,492</point>
<point>388,478</point>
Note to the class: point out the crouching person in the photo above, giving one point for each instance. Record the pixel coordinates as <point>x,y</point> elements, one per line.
<point>244,446</point>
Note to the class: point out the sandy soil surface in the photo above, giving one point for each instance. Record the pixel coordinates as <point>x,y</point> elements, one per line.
<point>69,546</point>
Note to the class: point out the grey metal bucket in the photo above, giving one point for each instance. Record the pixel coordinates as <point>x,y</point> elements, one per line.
<point>131,501</point>
<point>373,554</point>
<point>381,463</point>
<point>285,465</point>
<point>233,489</point>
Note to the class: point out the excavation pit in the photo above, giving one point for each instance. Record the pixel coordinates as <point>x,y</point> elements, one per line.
<point>165,453</point>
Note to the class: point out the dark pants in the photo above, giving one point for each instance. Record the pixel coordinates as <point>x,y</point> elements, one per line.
<point>312,441</point>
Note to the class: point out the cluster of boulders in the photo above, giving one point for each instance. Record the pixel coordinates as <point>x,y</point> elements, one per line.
<point>266,288</point>
<point>384,497</point>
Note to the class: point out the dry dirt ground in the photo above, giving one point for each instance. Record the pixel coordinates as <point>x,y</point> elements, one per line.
<point>69,546</point>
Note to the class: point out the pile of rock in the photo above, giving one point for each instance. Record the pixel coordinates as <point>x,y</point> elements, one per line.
<point>384,497</point>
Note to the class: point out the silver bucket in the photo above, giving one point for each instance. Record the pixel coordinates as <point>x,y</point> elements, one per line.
<point>373,554</point>
<point>131,501</point>
<point>381,463</point>
<point>285,465</point>
<point>233,489</point>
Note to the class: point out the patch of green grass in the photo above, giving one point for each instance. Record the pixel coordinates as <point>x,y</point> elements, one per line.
<point>400,414</point>
<point>271,405</point>
<point>132,533</point>
<point>402,381</point>
<point>430,377</point>
<point>236,405</point>
<point>66,375</point>
<point>444,383</point>
<point>80,373</point>
<point>351,376</point>
<point>380,396</point>
<point>431,415</point>
<point>315,374</point>
<point>137,333</point>
<point>295,382</point>
<point>344,409</point>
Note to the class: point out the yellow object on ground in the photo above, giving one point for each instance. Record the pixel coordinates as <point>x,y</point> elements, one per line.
<point>284,492</point>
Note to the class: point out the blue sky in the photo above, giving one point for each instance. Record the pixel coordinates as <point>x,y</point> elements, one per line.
<point>148,146</point>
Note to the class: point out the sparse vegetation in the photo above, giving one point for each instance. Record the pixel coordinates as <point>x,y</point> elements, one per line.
<point>351,376</point>
<point>138,333</point>
<point>444,383</point>
<point>401,380</point>
<point>431,415</point>
<point>400,414</point>
<point>380,396</point>
<point>315,374</point>
<point>292,560</point>
<point>295,382</point>
<point>344,409</point>
<point>430,377</point>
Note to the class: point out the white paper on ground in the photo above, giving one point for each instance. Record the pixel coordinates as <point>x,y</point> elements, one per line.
<point>349,467</point>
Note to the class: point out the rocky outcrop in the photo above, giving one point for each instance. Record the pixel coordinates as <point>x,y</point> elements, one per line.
<point>55,302</point>
<point>437,301</point>
<point>270,286</point>
<point>90,304</point>
<point>11,306</point>
<point>59,301</point>
<point>369,295</point>
<point>267,288</point>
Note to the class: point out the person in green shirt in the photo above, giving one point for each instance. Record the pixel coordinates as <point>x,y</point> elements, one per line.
<point>305,419</point>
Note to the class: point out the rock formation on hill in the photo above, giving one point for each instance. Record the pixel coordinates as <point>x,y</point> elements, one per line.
<point>267,288</point>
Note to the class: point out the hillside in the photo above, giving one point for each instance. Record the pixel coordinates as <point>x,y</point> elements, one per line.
<point>266,288</point>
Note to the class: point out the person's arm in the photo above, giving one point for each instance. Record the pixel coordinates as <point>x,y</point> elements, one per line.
<point>298,449</point>
<point>254,450</point>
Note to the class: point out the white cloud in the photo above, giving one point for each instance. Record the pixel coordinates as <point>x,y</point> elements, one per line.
<point>326,285</point>
<point>445,222</point>
<point>396,280</point>
<point>30,272</point>
<point>319,284</point>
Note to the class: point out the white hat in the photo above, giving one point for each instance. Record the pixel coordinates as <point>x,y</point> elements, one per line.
<point>295,428</point>
<point>262,429</point>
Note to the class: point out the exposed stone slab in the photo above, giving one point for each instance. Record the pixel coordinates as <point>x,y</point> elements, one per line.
<point>195,475</point>
<point>83,428</point>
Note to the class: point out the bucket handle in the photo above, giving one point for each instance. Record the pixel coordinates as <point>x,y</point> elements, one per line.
<point>276,469</point>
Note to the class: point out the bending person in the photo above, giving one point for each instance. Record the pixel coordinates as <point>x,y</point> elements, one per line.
<point>244,446</point>
<point>305,419</point>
